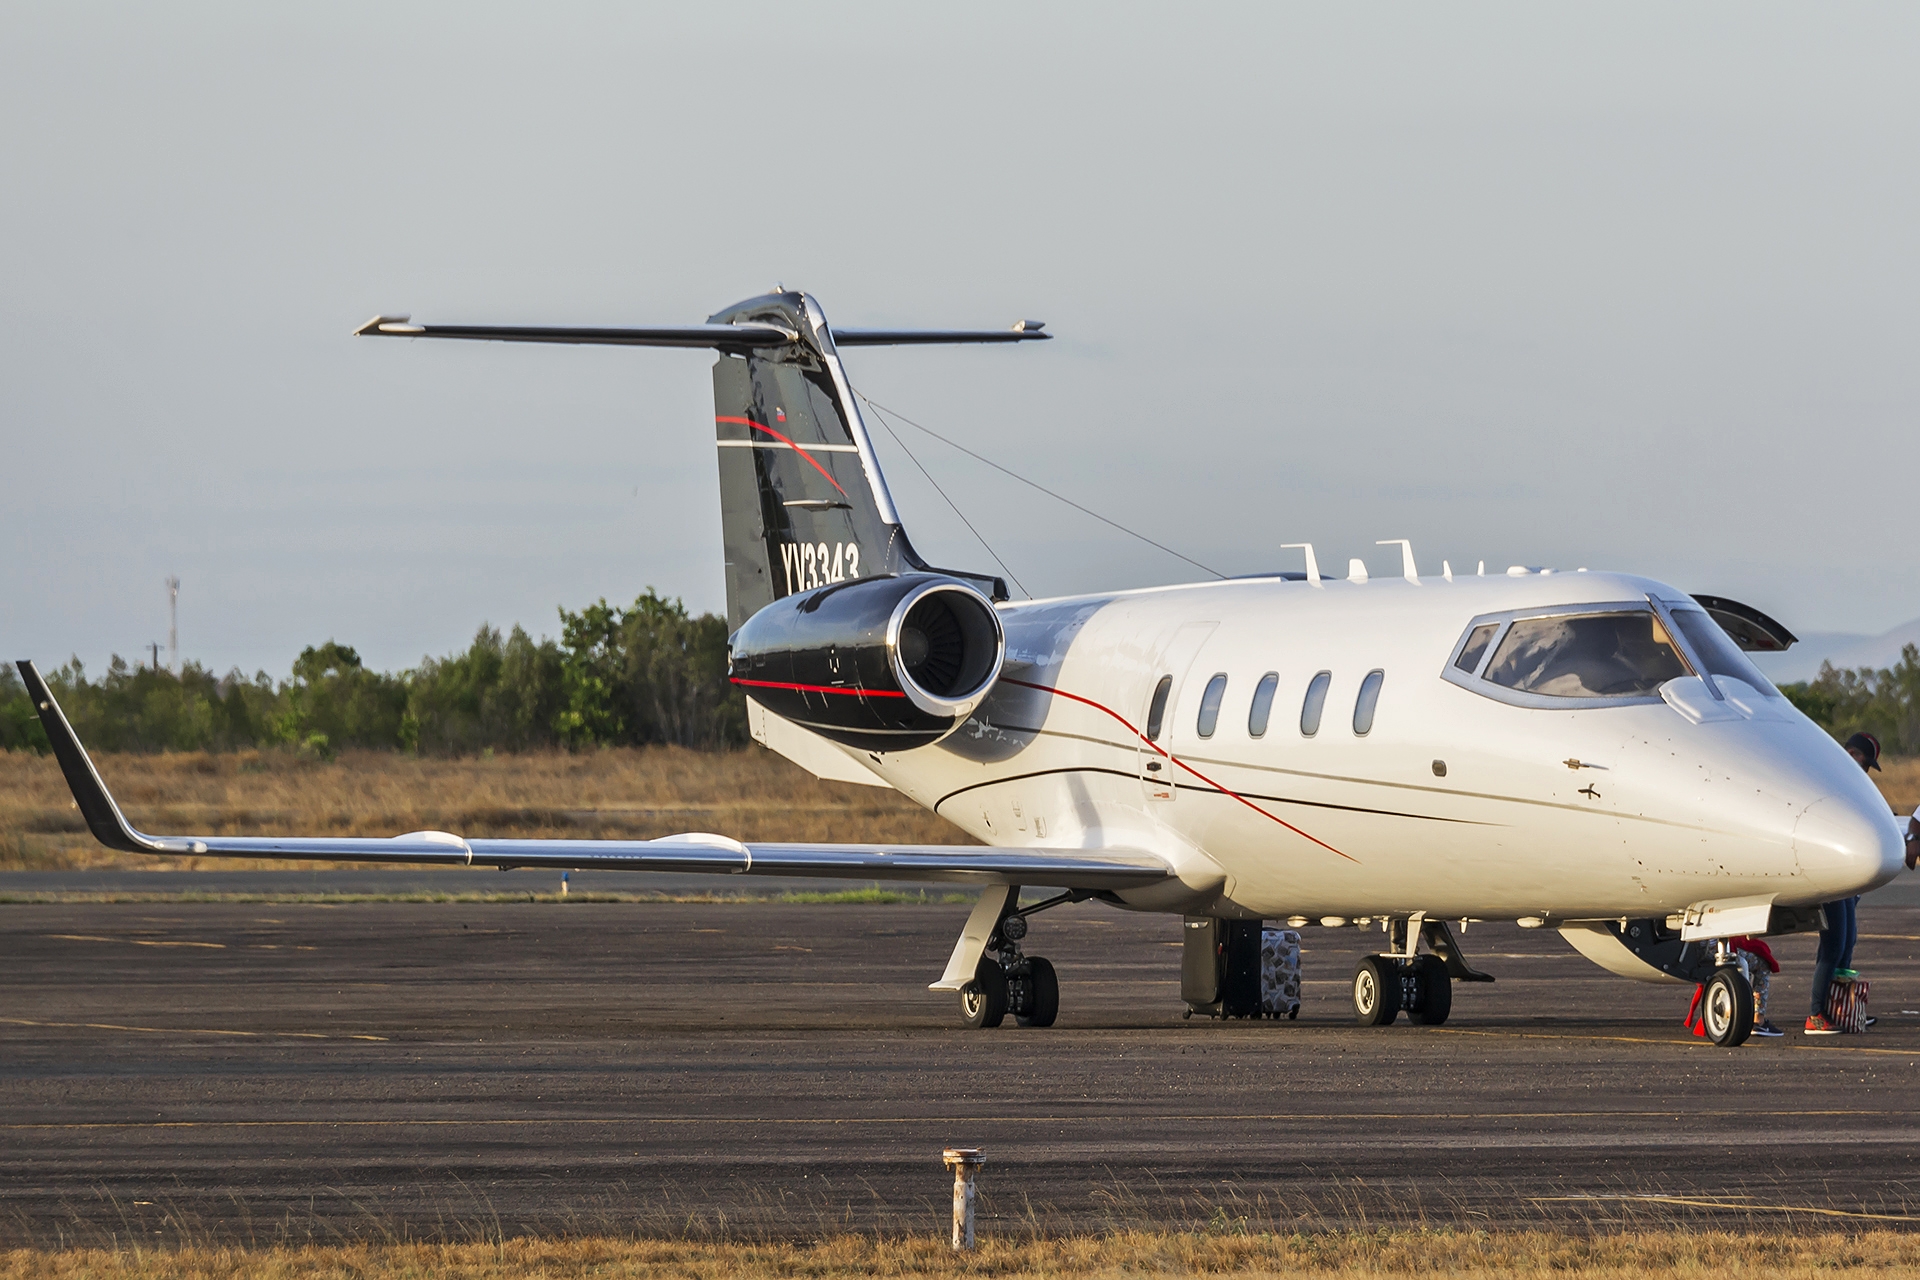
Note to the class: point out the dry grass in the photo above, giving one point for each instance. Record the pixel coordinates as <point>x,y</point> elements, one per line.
<point>1630,1256</point>
<point>1900,783</point>
<point>633,794</point>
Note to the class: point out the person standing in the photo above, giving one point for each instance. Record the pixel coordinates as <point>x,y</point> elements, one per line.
<point>1834,959</point>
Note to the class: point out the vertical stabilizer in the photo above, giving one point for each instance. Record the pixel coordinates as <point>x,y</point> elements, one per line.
<point>802,499</point>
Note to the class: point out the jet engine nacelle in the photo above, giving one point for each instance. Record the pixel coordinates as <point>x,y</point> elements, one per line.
<point>880,664</point>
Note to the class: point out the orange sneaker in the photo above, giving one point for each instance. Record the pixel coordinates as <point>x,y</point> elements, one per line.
<point>1819,1026</point>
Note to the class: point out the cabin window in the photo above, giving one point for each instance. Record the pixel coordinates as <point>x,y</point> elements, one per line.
<point>1262,709</point>
<point>1714,647</point>
<point>1315,703</point>
<point>1591,655</point>
<point>1210,705</point>
<point>1157,711</point>
<point>1477,642</point>
<point>1364,705</point>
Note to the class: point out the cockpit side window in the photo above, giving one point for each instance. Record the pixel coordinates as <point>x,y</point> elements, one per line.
<point>1714,647</point>
<point>1477,642</point>
<point>1587,655</point>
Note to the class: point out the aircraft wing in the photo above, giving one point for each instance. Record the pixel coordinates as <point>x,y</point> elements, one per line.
<point>694,852</point>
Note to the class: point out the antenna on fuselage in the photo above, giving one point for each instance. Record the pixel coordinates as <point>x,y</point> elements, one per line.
<point>1407,569</point>
<point>1313,566</point>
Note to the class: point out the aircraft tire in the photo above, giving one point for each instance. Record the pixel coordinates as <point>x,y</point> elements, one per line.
<point>1727,1008</point>
<point>1376,991</point>
<point>1436,992</point>
<point>983,1002</point>
<point>1044,987</point>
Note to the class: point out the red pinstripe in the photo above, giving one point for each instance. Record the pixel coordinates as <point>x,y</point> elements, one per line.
<point>819,688</point>
<point>1225,791</point>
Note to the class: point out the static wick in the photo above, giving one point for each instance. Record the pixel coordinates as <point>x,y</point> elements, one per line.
<point>965,1163</point>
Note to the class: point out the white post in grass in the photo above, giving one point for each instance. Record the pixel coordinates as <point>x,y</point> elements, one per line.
<point>965,1163</point>
<point>563,882</point>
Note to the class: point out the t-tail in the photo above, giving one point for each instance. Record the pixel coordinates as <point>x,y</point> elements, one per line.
<point>803,502</point>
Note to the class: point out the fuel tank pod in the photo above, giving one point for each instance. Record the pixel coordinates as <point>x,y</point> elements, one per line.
<point>878,664</point>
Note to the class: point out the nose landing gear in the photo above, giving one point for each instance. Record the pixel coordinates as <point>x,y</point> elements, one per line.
<point>1726,1007</point>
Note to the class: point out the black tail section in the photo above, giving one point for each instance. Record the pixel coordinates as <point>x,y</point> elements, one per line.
<point>802,500</point>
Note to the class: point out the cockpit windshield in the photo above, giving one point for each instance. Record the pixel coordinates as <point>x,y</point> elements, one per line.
<point>1587,655</point>
<point>1714,647</point>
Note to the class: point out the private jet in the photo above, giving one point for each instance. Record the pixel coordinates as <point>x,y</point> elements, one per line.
<point>1587,752</point>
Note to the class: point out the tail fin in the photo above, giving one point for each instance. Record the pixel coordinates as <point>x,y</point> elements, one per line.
<point>802,500</point>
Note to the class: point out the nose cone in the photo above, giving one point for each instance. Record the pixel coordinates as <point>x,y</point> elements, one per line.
<point>1848,844</point>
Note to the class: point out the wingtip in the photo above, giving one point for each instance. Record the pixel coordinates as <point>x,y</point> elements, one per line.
<point>385,324</point>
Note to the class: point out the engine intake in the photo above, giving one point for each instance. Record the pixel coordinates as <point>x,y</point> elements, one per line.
<point>882,664</point>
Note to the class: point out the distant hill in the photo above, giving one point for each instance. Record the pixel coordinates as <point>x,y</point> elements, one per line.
<point>1842,649</point>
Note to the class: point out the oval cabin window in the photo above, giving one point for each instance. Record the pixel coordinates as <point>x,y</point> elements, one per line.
<point>1157,710</point>
<point>1316,702</point>
<point>1363,706</point>
<point>1210,705</point>
<point>1262,709</point>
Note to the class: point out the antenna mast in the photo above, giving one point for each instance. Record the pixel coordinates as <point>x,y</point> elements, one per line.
<point>173,623</point>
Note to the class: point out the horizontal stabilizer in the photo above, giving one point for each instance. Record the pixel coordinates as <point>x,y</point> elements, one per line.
<point>1024,331</point>
<point>695,852</point>
<point>718,336</point>
<point>721,337</point>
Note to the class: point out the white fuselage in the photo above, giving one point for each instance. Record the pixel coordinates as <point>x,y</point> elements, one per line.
<point>1453,803</point>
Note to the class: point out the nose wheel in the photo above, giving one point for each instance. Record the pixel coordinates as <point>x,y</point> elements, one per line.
<point>1727,1007</point>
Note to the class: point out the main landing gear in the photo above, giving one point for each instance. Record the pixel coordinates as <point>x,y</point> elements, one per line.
<point>1403,980</point>
<point>1726,1006</point>
<point>1007,980</point>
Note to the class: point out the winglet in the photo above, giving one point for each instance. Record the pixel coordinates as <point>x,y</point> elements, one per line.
<point>388,324</point>
<point>103,816</point>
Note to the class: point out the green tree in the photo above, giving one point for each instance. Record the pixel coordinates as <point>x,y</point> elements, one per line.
<point>333,702</point>
<point>496,694</point>
<point>20,728</point>
<point>1884,702</point>
<point>648,674</point>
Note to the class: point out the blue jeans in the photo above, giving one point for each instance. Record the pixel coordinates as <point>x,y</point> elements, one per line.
<point>1836,947</point>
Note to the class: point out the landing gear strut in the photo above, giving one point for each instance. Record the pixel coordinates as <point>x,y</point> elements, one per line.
<point>1009,980</point>
<point>1403,980</point>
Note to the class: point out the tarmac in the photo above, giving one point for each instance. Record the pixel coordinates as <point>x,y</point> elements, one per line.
<point>256,1072</point>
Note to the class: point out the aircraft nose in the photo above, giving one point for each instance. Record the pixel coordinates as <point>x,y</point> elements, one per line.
<point>1849,846</point>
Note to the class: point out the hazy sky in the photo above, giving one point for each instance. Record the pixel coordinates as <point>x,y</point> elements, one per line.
<point>1623,286</point>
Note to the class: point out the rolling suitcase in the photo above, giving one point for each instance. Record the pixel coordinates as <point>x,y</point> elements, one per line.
<point>1280,973</point>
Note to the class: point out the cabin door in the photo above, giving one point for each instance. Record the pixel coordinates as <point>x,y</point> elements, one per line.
<point>1165,703</point>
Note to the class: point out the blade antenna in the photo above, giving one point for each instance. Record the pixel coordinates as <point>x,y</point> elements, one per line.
<point>943,493</point>
<point>1042,488</point>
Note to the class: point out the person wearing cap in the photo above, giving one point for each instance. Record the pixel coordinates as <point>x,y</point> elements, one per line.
<point>1834,959</point>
